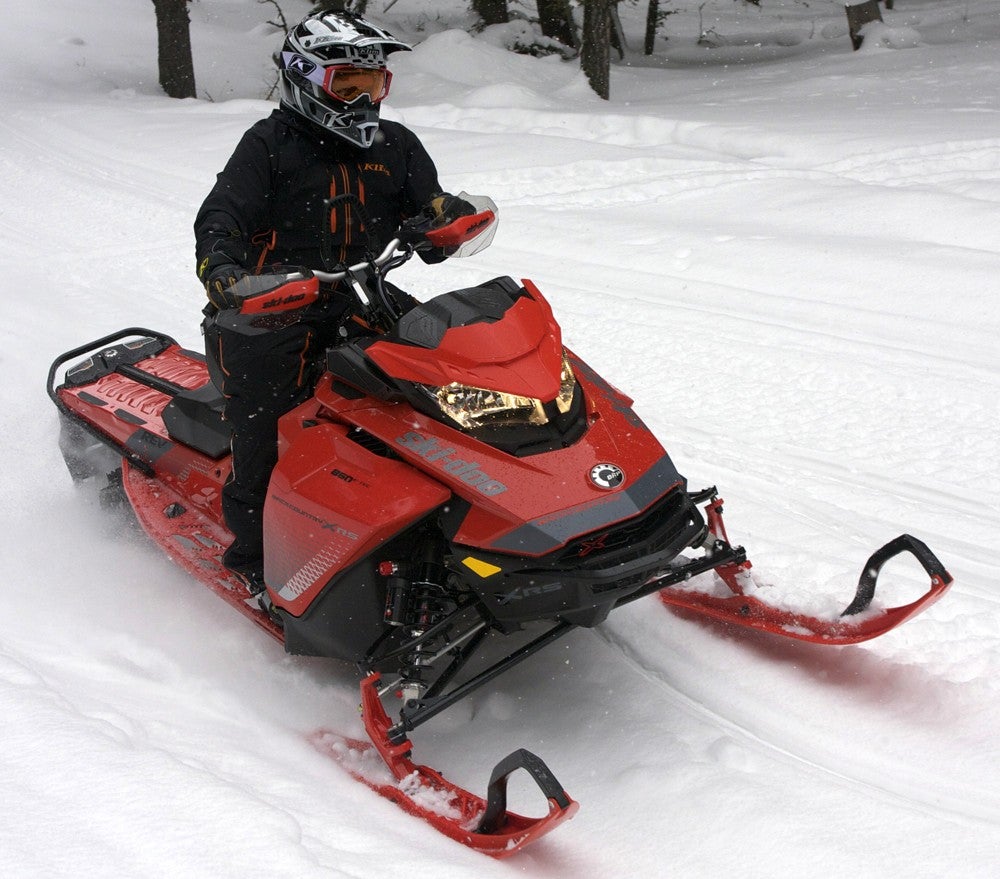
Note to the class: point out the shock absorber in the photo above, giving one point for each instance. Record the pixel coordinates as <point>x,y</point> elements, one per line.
<point>416,600</point>
<point>397,594</point>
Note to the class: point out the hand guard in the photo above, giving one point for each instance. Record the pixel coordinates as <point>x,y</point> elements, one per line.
<point>441,210</point>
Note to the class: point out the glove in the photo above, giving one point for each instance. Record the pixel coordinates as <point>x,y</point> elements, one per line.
<point>220,286</point>
<point>445,208</point>
<point>219,281</point>
<point>442,209</point>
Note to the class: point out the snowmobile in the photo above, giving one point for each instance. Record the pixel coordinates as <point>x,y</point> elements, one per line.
<point>460,491</point>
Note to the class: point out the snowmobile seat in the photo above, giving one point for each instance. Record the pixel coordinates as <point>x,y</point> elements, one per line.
<point>194,417</point>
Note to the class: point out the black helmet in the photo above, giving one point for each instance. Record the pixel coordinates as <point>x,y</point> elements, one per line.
<point>332,71</point>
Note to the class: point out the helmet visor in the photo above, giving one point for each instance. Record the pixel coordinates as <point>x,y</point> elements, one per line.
<point>347,82</point>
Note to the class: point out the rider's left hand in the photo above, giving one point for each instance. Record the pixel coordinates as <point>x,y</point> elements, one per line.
<point>445,208</point>
<point>442,209</point>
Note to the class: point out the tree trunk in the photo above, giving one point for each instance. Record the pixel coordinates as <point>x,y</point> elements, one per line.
<point>556,19</point>
<point>595,55</point>
<point>860,13</point>
<point>174,53</point>
<point>491,11</point>
<point>652,22</point>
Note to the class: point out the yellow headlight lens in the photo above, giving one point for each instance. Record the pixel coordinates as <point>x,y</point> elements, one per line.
<point>473,407</point>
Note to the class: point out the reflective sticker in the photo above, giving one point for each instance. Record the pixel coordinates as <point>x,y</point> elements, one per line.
<point>478,566</point>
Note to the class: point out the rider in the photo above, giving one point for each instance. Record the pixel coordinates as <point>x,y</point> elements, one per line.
<point>271,204</point>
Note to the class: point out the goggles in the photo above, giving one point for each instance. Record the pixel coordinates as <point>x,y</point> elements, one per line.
<point>345,82</point>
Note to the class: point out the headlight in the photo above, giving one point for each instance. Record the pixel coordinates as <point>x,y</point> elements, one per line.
<point>473,407</point>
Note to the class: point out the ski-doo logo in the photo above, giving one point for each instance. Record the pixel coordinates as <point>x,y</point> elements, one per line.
<point>468,471</point>
<point>607,476</point>
<point>283,301</point>
<point>475,227</point>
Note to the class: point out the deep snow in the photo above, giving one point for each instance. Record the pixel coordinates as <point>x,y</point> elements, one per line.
<point>787,253</point>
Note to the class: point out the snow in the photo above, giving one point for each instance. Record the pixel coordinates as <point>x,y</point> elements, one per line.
<point>787,252</point>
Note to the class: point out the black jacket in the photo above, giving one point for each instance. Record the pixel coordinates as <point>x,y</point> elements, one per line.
<point>275,188</point>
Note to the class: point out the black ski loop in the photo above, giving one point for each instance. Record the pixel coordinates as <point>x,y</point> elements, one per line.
<point>706,494</point>
<point>496,793</point>
<point>904,543</point>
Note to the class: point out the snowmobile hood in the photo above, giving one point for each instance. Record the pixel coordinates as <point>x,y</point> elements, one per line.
<point>517,350</point>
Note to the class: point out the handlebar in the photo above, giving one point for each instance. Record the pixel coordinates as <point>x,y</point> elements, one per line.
<point>384,258</point>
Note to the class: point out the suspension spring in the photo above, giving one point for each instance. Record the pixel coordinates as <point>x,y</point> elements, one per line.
<point>415,601</point>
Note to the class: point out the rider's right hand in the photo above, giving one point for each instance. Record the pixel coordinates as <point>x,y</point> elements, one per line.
<point>219,285</point>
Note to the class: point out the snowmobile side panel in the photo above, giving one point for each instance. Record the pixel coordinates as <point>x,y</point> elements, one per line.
<point>330,503</point>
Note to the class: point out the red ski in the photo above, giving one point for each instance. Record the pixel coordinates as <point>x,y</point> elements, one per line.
<point>481,824</point>
<point>858,622</point>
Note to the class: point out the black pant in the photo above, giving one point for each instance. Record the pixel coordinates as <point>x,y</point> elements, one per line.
<point>262,377</point>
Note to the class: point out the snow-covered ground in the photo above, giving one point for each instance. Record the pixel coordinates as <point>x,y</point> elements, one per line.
<point>788,253</point>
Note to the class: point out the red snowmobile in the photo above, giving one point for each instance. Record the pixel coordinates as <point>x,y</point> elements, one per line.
<point>459,480</point>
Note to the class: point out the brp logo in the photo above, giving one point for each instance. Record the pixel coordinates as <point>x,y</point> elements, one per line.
<point>607,476</point>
